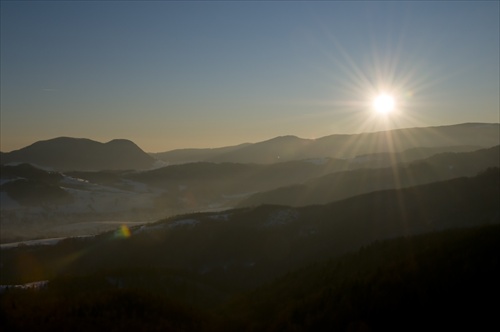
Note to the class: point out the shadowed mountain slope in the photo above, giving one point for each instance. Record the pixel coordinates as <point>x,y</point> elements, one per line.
<point>438,281</point>
<point>278,149</point>
<point>344,184</point>
<point>182,156</point>
<point>65,153</point>
<point>385,159</point>
<point>229,178</point>
<point>286,148</point>
<point>246,247</point>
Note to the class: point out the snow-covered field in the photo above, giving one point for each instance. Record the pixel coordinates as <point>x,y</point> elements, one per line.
<point>94,208</point>
<point>32,285</point>
<point>41,242</point>
<point>281,217</point>
<point>90,197</point>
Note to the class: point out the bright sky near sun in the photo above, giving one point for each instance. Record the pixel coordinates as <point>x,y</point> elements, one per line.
<point>205,74</point>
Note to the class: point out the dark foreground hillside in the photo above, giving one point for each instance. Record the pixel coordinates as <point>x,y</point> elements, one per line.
<point>244,248</point>
<point>218,271</point>
<point>287,148</point>
<point>438,281</point>
<point>433,282</point>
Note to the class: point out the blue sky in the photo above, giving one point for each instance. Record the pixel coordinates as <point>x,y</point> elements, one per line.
<point>205,74</point>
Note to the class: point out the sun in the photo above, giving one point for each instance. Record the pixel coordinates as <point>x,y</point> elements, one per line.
<point>383,104</point>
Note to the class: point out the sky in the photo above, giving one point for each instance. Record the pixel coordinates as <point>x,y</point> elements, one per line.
<point>198,74</point>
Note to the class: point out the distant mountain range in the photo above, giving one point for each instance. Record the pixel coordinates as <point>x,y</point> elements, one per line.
<point>339,185</point>
<point>117,181</point>
<point>30,196</point>
<point>79,154</point>
<point>66,153</point>
<point>286,148</point>
<point>183,156</point>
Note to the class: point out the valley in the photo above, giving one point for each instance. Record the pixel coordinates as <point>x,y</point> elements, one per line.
<point>38,201</point>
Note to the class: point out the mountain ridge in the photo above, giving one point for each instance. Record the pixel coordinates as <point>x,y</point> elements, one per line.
<point>342,184</point>
<point>290,147</point>
<point>277,149</point>
<point>68,153</point>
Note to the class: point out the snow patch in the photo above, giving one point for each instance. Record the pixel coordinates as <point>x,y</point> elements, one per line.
<point>184,222</point>
<point>159,164</point>
<point>174,224</point>
<point>41,242</point>
<point>281,217</point>
<point>43,168</point>
<point>32,285</point>
<point>106,199</point>
<point>220,217</point>
<point>73,181</point>
<point>7,180</point>
<point>147,228</point>
<point>138,187</point>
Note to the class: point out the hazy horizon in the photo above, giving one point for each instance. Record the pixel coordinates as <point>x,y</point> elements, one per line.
<point>171,75</point>
<point>253,142</point>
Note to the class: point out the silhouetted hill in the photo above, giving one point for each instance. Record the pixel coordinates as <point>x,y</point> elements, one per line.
<point>65,153</point>
<point>182,156</point>
<point>438,281</point>
<point>286,148</point>
<point>385,159</point>
<point>31,186</point>
<point>29,172</point>
<point>283,148</point>
<point>235,178</point>
<point>344,184</point>
<point>475,134</point>
<point>36,193</point>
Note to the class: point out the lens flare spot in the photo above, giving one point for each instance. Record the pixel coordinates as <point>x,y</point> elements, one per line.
<point>123,232</point>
